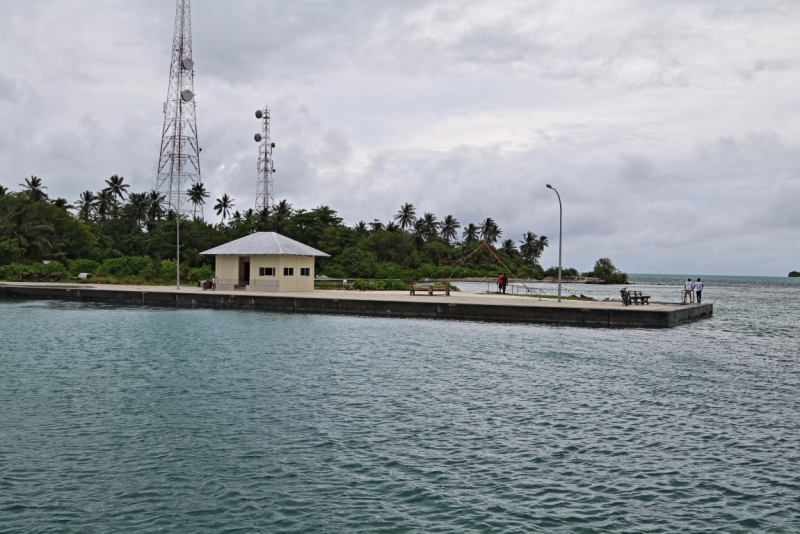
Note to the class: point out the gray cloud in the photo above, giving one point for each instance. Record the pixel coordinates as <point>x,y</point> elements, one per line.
<point>669,128</point>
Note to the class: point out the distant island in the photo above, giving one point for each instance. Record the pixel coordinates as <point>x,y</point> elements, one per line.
<point>126,237</point>
<point>794,274</point>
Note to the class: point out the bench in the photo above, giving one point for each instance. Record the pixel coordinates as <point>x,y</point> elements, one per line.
<point>429,289</point>
<point>637,297</point>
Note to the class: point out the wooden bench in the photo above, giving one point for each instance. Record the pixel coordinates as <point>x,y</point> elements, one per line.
<point>429,289</point>
<point>638,298</point>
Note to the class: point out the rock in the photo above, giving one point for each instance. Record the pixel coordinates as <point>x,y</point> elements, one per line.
<point>794,274</point>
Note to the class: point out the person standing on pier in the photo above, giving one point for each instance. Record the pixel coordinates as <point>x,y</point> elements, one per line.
<point>698,290</point>
<point>688,291</point>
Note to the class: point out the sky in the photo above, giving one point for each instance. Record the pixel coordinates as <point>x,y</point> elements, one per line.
<point>671,129</point>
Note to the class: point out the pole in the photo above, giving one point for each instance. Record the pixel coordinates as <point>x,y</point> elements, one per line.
<point>560,226</point>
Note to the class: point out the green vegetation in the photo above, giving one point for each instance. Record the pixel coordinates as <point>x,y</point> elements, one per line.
<point>130,238</point>
<point>605,269</point>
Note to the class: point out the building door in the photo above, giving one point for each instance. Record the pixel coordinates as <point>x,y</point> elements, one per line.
<point>244,271</point>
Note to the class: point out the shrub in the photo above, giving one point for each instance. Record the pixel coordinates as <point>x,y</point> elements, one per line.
<point>334,271</point>
<point>13,272</point>
<point>396,285</point>
<point>604,268</point>
<point>200,273</point>
<point>83,266</point>
<point>355,262</point>
<point>565,271</point>
<point>392,270</point>
<point>9,251</point>
<point>126,266</point>
<point>377,285</point>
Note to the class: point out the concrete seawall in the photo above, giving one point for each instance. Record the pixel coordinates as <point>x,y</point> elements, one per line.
<point>456,307</point>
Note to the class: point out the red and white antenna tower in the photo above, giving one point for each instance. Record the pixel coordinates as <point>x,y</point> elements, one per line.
<point>179,161</point>
<point>264,198</point>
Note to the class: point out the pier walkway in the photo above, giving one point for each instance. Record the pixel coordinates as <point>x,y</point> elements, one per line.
<point>459,305</point>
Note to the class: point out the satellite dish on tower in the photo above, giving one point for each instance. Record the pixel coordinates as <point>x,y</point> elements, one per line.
<point>257,138</point>
<point>187,95</point>
<point>187,63</point>
<point>259,114</point>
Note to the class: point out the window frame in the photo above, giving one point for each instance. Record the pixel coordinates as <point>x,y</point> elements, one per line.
<point>288,271</point>
<point>262,271</point>
<point>305,271</point>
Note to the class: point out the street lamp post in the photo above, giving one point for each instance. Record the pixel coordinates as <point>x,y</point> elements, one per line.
<point>560,223</point>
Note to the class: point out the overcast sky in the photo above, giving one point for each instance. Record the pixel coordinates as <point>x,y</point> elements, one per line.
<point>671,129</point>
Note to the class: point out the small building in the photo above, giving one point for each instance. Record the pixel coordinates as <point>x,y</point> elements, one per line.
<point>265,261</point>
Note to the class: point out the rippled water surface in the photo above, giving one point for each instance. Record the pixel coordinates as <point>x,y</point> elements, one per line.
<point>160,420</point>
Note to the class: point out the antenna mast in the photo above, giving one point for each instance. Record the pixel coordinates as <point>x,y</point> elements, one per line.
<point>264,198</point>
<point>179,161</point>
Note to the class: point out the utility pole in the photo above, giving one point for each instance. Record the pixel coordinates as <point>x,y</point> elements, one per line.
<point>179,159</point>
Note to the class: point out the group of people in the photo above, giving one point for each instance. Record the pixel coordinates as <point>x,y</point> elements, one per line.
<point>692,290</point>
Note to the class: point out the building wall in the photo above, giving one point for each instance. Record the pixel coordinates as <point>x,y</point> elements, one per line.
<point>227,270</point>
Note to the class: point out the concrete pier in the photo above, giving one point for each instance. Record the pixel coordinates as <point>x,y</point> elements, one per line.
<point>458,306</point>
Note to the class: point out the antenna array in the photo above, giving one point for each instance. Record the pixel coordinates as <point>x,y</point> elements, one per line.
<point>179,160</point>
<point>264,197</point>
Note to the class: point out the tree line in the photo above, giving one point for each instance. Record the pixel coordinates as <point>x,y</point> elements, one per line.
<point>115,223</point>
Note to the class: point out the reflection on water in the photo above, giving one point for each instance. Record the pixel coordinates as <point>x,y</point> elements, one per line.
<point>143,419</point>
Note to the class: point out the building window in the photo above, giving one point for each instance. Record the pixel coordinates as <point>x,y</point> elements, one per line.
<point>266,271</point>
<point>288,271</point>
<point>305,271</point>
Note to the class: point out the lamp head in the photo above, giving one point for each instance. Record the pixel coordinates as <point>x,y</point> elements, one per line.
<point>549,186</point>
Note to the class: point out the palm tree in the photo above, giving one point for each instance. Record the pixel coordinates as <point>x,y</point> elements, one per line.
<point>105,202</point>
<point>510,248</point>
<point>419,233</point>
<point>34,188</point>
<point>532,248</point>
<point>117,187</point>
<point>430,225</point>
<point>155,205</point>
<point>224,206</point>
<point>197,195</point>
<point>376,226</point>
<point>392,227</point>
<point>236,218</point>
<point>138,204</point>
<point>262,224</point>
<point>450,228</point>
<point>3,191</point>
<point>406,216</point>
<point>361,228</point>
<point>471,233</point>
<point>283,209</point>
<point>36,239</point>
<point>86,204</point>
<point>490,232</point>
<point>62,203</point>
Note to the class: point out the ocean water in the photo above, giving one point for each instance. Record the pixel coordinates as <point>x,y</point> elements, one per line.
<point>127,419</point>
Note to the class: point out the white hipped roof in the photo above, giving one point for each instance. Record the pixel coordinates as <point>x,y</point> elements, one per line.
<point>262,243</point>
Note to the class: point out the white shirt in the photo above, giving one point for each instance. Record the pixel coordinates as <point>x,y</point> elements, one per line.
<point>698,286</point>
<point>688,286</point>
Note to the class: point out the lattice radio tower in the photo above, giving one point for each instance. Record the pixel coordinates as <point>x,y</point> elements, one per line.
<point>179,161</point>
<point>264,198</point>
